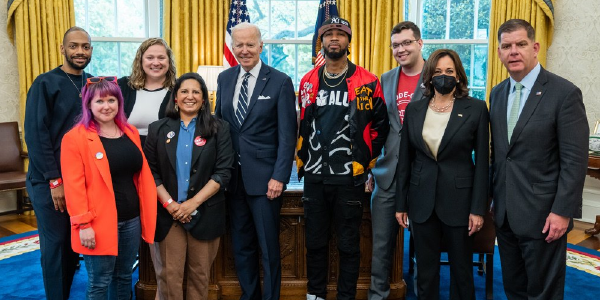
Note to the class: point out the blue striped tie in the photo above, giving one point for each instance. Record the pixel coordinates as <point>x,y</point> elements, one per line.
<point>242,106</point>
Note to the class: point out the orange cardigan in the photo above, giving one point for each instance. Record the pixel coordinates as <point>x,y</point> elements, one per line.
<point>89,191</point>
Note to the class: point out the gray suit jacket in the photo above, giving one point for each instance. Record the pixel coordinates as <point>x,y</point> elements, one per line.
<point>385,168</point>
<point>543,168</point>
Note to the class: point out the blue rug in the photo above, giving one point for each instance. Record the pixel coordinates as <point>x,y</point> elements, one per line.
<point>582,279</point>
<point>22,274</point>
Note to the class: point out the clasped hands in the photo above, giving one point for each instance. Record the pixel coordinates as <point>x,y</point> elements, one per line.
<point>182,212</point>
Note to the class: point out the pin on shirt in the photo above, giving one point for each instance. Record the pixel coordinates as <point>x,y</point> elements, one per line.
<point>199,141</point>
<point>538,93</point>
<point>170,135</point>
<point>99,155</point>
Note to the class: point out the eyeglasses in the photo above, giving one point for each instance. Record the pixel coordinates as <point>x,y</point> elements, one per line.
<point>93,80</point>
<point>404,44</point>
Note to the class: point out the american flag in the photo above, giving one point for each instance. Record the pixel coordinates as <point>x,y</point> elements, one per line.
<point>327,8</point>
<point>238,13</point>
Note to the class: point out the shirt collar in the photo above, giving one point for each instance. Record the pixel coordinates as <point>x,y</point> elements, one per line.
<point>254,72</point>
<point>192,123</point>
<point>529,80</point>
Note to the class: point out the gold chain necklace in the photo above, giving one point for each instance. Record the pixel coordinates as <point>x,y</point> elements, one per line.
<point>342,80</point>
<point>78,90</point>
<point>440,109</point>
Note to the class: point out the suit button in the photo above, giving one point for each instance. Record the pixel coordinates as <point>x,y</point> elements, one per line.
<point>192,189</point>
<point>194,171</point>
<point>318,131</point>
<point>325,148</point>
<point>509,159</point>
<point>325,164</point>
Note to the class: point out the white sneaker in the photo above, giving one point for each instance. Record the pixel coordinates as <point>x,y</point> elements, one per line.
<point>313,297</point>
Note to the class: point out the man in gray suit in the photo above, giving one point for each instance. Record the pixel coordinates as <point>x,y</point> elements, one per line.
<point>539,161</point>
<point>400,85</point>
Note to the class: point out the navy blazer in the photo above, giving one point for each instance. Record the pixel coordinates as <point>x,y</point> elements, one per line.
<point>213,160</point>
<point>266,141</point>
<point>543,168</point>
<point>453,186</point>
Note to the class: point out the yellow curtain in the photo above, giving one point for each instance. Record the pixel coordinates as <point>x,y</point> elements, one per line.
<point>37,27</point>
<point>195,31</point>
<point>536,12</point>
<point>372,22</point>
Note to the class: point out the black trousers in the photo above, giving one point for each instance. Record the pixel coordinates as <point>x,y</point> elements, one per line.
<point>58,260</point>
<point>428,238</point>
<point>340,206</point>
<point>531,268</point>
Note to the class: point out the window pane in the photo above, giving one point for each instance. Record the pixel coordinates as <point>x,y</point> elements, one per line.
<point>307,17</point>
<point>128,51</point>
<point>104,59</point>
<point>304,62</point>
<point>101,14</point>
<point>478,93</point>
<point>480,65</point>
<point>130,19</point>
<point>461,19</point>
<point>483,19</point>
<point>259,15</point>
<point>283,20</point>
<point>434,19</point>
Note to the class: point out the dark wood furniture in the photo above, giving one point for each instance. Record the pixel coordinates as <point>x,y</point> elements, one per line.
<point>12,168</point>
<point>223,281</point>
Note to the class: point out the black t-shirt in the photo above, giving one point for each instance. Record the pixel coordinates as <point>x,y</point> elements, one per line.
<point>330,152</point>
<point>124,161</point>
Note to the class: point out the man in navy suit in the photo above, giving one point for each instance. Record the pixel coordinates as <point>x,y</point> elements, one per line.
<point>539,161</point>
<point>258,102</point>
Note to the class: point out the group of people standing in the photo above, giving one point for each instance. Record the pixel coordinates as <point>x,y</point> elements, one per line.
<point>115,159</point>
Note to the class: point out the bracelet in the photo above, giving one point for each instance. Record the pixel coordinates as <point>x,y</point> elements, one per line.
<point>56,183</point>
<point>84,226</point>
<point>166,203</point>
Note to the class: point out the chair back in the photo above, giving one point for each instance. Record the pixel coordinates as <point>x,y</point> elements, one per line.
<point>10,156</point>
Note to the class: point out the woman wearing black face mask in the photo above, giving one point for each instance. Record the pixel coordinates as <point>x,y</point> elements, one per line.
<point>443,174</point>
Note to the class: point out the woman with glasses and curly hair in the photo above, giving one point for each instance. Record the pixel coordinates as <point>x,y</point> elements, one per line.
<point>109,190</point>
<point>148,89</point>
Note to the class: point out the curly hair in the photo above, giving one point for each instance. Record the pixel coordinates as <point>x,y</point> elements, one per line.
<point>137,79</point>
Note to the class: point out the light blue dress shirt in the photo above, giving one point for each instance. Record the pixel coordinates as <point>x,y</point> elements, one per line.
<point>527,83</point>
<point>185,143</point>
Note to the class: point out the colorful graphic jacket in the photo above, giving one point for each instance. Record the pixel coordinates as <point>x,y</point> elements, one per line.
<point>368,119</point>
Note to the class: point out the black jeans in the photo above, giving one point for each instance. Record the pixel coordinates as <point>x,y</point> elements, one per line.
<point>342,204</point>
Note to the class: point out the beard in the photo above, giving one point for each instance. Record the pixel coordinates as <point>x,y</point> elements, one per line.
<point>72,64</point>
<point>335,55</point>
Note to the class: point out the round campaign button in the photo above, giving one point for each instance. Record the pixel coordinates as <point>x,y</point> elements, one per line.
<point>171,134</point>
<point>99,155</point>
<point>199,141</point>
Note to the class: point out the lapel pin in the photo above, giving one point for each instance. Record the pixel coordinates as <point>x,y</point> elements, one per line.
<point>264,79</point>
<point>199,141</point>
<point>538,93</point>
<point>168,141</point>
<point>460,115</point>
<point>99,155</point>
<point>171,134</point>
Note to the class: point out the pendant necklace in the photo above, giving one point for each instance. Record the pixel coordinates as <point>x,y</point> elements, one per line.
<point>82,75</point>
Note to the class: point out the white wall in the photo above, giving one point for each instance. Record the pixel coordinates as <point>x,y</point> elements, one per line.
<point>9,92</point>
<point>575,55</point>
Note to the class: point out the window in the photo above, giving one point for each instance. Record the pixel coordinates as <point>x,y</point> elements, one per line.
<point>460,25</point>
<point>117,29</point>
<point>287,36</point>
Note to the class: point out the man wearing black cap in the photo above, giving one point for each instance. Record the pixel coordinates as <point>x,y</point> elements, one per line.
<point>343,126</point>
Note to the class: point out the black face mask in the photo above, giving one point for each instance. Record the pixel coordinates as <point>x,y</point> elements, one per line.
<point>444,84</point>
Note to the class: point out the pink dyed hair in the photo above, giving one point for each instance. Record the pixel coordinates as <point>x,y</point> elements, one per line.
<point>101,89</point>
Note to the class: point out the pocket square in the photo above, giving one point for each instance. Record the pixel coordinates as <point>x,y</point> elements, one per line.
<point>261,97</point>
